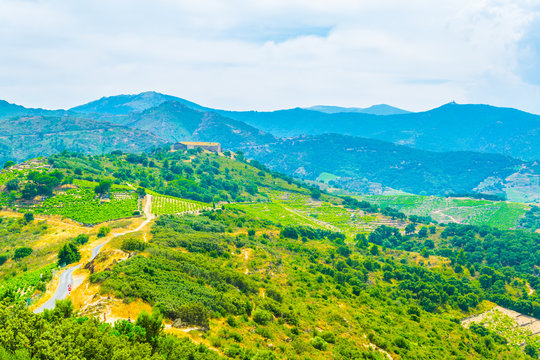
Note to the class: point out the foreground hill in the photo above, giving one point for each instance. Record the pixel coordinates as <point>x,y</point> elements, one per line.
<point>283,272</point>
<point>25,137</point>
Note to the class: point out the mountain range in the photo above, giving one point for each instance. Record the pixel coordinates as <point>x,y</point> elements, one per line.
<point>453,148</point>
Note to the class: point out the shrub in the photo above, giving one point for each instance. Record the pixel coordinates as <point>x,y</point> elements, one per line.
<point>318,343</point>
<point>22,252</point>
<point>133,244</point>
<point>3,258</point>
<point>81,239</point>
<point>262,317</point>
<point>328,336</point>
<point>103,231</point>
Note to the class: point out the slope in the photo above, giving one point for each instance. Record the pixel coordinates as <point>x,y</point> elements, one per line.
<point>451,127</point>
<point>398,167</point>
<point>25,137</point>
<point>175,121</point>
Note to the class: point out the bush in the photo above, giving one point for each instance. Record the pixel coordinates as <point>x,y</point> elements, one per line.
<point>133,244</point>
<point>81,239</point>
<point>262,317</point>
<point>103,231</point>
<point>318,343</point>
<point>22,252</point>
<point>328,336</point>
<point>3,258</point>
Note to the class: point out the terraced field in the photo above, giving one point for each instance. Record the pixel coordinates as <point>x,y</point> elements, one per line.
<point>289,208</point>
<point>162,204</point>
<point>517,328</point>
<point>84,206</point>
<point>500,214</point>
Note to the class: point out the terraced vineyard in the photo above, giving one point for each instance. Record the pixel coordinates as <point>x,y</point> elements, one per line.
<point>499,214</point>
<point>84,206</point>
<point>163,205</point>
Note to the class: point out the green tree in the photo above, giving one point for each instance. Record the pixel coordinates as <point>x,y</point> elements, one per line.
<point>8,164</point>
<point>68,254</point>
<point>103,187</point>
<point>374,250</point>
<point>315,194</point>
<point>152,324</point>
<point>410,229</point>
<point>28,217</point>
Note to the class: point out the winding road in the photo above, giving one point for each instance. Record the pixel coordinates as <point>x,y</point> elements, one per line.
<point>66,278</point>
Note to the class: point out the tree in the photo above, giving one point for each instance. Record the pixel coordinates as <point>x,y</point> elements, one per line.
<point>29,191</point>
<point>531,351</point>
<point>8,164</point>
<point>12,185</point>
<point>103,187</point>
<point>410,229</point>
<point>152,324</point>
<point>374,250</point>
<point>315,194</point>
<point>68,254</point>
<point>28,217</point>
<point>423,233</point>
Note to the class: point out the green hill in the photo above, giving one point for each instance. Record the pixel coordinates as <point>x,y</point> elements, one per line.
<point>272,269</point>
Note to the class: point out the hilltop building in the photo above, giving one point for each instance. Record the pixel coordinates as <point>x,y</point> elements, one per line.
<point>186,145</point>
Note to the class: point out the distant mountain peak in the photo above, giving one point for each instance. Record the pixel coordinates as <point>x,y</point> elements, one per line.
<point>379,109</point>
<point>125,104</point>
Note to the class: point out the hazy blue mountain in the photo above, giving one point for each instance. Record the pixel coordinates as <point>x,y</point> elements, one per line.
<point>8,110</point>
<point>175,122</point>
<point>451,127</point>
<point>125,104</point>
<point>355,159</point>
<point>26,137</point>
<point>381,109</point>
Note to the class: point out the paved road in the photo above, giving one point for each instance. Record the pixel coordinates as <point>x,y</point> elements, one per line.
<point>66,278</point>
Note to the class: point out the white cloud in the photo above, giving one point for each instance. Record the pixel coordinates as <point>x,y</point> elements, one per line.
<point>241,54</point>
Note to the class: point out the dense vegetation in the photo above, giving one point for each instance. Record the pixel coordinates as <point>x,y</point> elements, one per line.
<point>193,270</point>
<point>270,269</point>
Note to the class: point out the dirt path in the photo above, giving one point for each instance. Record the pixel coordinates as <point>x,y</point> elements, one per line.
<point>440,212</point>
<point>66,277</point>
<point>315,221</point>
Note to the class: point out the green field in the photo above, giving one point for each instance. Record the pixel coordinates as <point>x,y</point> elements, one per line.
<point>84,206</point>
<point>163,204</point>
<point>499,214</point>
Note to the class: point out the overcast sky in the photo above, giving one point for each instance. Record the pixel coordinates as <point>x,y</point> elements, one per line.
<point>271,54</point>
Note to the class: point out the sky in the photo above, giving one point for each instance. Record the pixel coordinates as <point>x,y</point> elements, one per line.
<point>272,54</point>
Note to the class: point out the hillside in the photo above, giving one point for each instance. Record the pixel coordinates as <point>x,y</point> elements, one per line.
<point>280,272</point>
<point>451,127</point>
<point>8,110</point>
<point>354,159</point>
<point>25,137</point>
<point>175,122</point>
